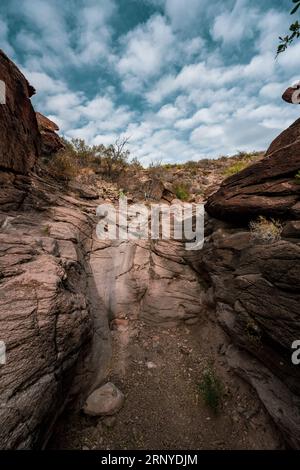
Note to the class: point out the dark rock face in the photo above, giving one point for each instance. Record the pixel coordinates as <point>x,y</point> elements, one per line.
<point>265,188</point>
<point>20,137</point>
<point>51,142</point>
<point>256,291</point>
<point>256,283</point>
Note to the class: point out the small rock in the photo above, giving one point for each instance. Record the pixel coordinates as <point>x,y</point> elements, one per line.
<point>105,401</point>
<point>151,365</point>
<point>119,324</point>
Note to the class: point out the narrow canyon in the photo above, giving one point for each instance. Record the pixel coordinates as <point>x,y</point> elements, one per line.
<point>146,318</point>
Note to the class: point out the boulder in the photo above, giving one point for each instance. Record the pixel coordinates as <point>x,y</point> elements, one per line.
<point>51,142</point>
<point>20,138</point>
<point>268,187</point>
<point>105,401</point>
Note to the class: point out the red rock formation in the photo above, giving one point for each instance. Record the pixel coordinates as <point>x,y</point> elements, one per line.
<point>267,188</point>
<point>51,142</point>
<point>292,94</point>
<point>20,137</point>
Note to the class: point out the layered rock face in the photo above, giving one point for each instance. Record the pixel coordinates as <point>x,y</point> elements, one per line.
<point>51,142</point>
<point>256,284</point>
<point>49,310</point>
<point>265,188</point>
<point>52,321</point>
<point>20,137</point>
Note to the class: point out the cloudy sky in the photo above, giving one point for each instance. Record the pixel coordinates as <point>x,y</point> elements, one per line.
<point>184,79</point>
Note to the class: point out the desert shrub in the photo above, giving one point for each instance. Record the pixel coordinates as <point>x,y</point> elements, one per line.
<point>63,165</point>
<point>211,389</point>
<point>169,166</point>
<point>156,170</point>
<point>76,156</point>
<point>114,158</point>
<point>236,168</point>
<point>182,191</point>
<point>297,177</point>
<point>191,164</point>
<point>135,164</point>
<point>266,230</point>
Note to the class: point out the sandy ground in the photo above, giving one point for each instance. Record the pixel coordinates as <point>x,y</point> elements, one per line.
<point>159,371</point>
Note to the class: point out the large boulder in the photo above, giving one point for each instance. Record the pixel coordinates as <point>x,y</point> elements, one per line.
<point>51,142</point>
<point>20,138</point>
<point>268,187</point>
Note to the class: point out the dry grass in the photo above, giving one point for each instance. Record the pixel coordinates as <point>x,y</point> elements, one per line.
<point>266,230</point>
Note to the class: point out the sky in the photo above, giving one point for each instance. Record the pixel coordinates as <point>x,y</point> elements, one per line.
<point>182,79</point>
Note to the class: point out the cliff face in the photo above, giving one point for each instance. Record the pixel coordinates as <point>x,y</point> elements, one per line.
<point>47,297</point>
<point>256,283</point>
<point>20,137</point>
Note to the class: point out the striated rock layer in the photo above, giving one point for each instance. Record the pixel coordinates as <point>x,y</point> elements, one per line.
<point>256,284</point>
<point>50,315</point>
<point>20,138</point>
<point>267,188</point>
<point>51,142</point>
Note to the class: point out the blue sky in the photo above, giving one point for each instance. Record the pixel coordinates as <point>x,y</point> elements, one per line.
<point>184,79</point>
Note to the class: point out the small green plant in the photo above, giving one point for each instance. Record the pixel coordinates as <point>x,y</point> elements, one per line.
<point>182,192</point>
<point>211,389</point>
<point>236,168</point>
<point>46,229</point>
<point>122,194</point>
<point>253,332</point>
<point>266,230</point>
<point>297,177</point>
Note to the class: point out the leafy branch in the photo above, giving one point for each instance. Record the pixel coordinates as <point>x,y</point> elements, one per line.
<point>294,31</point>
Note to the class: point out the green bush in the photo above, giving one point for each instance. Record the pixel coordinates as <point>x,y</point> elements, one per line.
<point>235,168</point>
<point>182,192</point>
<point>211,389</point>
<point>297,177</point>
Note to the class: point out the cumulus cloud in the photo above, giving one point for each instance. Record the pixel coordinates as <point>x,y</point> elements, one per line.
<point>179,81</point>
<point>236,24</point>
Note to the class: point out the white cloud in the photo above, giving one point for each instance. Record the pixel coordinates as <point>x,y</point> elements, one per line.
<point>146,50</point>
<point>5,45</point>
<point>236,24</point>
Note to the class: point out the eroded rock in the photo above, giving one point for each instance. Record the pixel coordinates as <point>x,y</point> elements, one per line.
<point>105,401</point>
<point>20,137</point>
<point>51,142</point>
<point>266,188</point>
